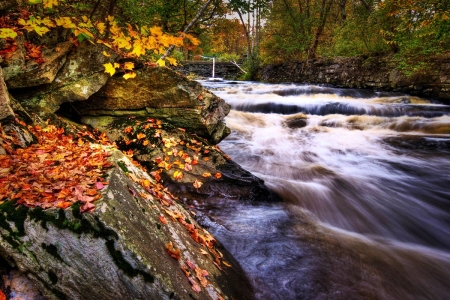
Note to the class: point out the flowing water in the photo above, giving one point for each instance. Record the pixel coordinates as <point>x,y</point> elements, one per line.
<point>365,179</point>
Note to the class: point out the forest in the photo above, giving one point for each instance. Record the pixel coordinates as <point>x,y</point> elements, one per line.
<point>263,32</point>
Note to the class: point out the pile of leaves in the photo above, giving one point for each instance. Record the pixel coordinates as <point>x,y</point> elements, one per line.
<point>57,171</point>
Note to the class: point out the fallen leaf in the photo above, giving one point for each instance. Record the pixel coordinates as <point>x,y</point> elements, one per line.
<point>218,175</point>
<point>162,219</point>
<point>206,175</point>
<point>194,285</point>
<point>197,184</point>
<point>174,253</point>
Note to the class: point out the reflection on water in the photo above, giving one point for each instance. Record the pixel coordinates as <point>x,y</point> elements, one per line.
<point>365,180</point>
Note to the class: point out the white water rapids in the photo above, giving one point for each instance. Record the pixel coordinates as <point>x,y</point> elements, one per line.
<point>365,182</point>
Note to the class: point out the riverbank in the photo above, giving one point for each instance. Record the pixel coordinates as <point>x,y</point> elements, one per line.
<point>380,73</point>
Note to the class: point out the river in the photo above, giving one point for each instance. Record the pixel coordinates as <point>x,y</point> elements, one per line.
<point>365,182</point>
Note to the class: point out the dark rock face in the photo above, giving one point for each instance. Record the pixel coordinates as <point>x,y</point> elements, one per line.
<point>377,73</point>
<point>224,70</point>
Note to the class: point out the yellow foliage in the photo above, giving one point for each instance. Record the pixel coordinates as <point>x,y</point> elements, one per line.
<point>109,68</point>
<point>138,48</point>
<point>7,33</point>
<point>156,31</point>
<point>65,22</point>
<point>101,27</point>
<point>129,75</point>
<point>172,61</point>
<point>50,3</point>
<point>128,66</point>
<point>161,62</point>
<point>33,25</point>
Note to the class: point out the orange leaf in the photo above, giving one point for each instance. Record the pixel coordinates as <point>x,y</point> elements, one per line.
<point>140,136</point>
<point>197,184</point>
<point>206,175</point>
<point>162,219</point>
<point>174,253</point>
<point>129,129</point>
<point>218,175</point>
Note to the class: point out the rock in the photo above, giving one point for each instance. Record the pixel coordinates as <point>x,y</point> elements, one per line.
<point>81,76</point>
<point>376,72</point>
<point>119,251</point>
<point>296,121</point>
<point>182,151</point>
<point>164,94</point>
<point>5,108</point>
<point>21,75</point>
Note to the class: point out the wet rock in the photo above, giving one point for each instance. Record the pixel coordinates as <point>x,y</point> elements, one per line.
<point>296,121</point>
<point>5,107</point>
<point>119,251</point>
<point>164,94</point>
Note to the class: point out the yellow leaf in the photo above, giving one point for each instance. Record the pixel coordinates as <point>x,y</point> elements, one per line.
<point>161,62</point>
<point>172,61</point>
<point>7,33</point>
<point>106,54</point>
<point>116,65</point>
<point>138,48</point>
<point>32,2</point>
<point>50,3</point>
<point>40,30</point>
<point>110,18</point>
<point>48,22</point>
<point>65,22</point>
<point>128,76</point>
<point>128,66</point>
<point>109,68</point>
<point>101,27</point>
<point>156,31</point>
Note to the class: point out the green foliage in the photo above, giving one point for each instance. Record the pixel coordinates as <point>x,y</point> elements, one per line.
<point>252,65</point>
<point>229,57</point>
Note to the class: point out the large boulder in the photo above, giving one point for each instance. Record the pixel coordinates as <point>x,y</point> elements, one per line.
<point>139,243</point>
<point>164,94</point>
<point>5,108</point>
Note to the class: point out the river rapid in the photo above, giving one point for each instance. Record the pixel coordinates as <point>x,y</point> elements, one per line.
<point>365,183</point>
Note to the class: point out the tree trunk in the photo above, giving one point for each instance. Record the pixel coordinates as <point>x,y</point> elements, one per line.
<point>326,6</point>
